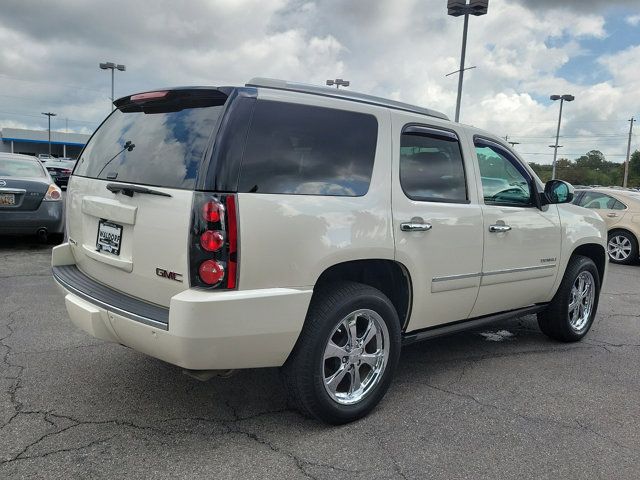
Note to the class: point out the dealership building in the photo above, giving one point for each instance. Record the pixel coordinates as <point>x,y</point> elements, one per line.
<point>33,142</point>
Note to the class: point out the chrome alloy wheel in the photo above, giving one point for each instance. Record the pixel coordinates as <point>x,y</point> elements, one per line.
<point>619,248</point>
<point>355,356</point>
<point>583,294</point>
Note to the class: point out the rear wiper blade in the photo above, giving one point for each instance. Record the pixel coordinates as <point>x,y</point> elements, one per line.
<point>129,190</point>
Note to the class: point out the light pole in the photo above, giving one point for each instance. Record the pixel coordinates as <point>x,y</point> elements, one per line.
<point>112,66</point>
<point>457,8</point>
<point>562,98</point>
<point>49,115</point>
<point>338,82</point>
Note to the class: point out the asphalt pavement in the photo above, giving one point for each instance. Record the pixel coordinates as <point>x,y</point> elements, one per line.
<point>504,402</point>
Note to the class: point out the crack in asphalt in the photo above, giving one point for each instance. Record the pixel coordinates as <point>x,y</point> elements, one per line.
<point>64,349</point>
<point>604,344</point>
<point>16,379</point>
<point>300,463</point>
<point>63,450</point>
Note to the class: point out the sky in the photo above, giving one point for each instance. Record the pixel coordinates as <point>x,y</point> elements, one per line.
<point>523,51</point>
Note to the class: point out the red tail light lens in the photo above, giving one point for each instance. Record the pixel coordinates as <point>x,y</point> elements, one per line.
<point>212,240</point>
<point>232,222</point>
<point>211,272</point>
<point>212,211</point>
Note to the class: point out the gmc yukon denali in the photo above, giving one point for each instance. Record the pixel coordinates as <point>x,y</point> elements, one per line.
<point>316,230</point>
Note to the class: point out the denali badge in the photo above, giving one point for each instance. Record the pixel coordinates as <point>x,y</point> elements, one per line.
<point>161,272</point>
<point>547,260</point>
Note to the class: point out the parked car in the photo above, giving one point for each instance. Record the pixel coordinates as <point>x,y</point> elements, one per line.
<point>30,202</point>
<point>620,209</point>
<point>60,169</point>
<point>315,230</point>
<point>44,157</point>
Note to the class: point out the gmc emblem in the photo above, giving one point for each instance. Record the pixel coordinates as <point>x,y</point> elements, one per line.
<point>161,272</point>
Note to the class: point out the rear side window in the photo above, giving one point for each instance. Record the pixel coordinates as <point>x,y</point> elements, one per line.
<point>165,145</point>
<point>431,167</point>
<point>301,149</point>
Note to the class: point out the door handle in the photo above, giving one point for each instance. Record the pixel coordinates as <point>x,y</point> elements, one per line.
<point>612,214</point>
<point>415,227</point>
<point>499,228</point>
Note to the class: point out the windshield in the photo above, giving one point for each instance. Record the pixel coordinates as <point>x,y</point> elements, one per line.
<point>20,168</point>
<point>161,148</point>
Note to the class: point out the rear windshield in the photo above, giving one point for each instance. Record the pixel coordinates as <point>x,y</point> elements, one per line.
<point>10,167</point>
<point>151,146</point>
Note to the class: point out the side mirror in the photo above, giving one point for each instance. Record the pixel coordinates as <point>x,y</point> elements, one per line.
<point>558,191</point>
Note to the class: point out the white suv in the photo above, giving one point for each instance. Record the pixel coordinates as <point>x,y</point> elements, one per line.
<point>318,230</point>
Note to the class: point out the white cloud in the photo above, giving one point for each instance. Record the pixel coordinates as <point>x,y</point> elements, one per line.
<point>400,49</point>
<point>633,20</point>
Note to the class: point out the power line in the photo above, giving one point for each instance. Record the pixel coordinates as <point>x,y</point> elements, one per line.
<point>38,116</point>
<point>593,135</point>
<point>572,154</point>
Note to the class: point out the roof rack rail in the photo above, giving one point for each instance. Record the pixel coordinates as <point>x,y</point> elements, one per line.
<point>344,94</point>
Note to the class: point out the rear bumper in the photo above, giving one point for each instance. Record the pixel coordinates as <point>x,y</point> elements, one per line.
<point>49,215</point>
<point>203,330</point>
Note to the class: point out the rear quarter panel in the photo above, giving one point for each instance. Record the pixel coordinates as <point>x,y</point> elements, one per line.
<point>289,240</point>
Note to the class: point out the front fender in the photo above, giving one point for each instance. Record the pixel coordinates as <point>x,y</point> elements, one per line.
<point>579,226</point>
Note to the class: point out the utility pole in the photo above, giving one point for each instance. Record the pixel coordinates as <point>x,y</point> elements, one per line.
<point>562,98</point>
<point>49,115</point>
<point>626,164</point>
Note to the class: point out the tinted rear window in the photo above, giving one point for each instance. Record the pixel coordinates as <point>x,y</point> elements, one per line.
<point>168,145</point>
<point>10,167</point>
<point>300,149</point>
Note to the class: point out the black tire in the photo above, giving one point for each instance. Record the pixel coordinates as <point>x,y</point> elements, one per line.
<point>555,321</point>
<point>633,255</point>
<point>304,372</point>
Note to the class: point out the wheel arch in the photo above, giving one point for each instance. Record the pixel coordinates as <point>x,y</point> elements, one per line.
<point>595,252</point>
<point>389,276</point>
<point>625,230</point>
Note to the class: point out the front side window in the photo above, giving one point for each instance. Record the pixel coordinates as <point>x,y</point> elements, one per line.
<point>308,150</point>
<point>431,167</point>
<point>503,183</point>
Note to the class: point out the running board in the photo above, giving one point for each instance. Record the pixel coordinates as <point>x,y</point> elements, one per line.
<point>455,327</point>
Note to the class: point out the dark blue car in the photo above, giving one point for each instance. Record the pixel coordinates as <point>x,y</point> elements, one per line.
<point>30,201</point>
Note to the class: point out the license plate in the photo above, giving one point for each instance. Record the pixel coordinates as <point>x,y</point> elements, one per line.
<point>7,199</point>
<point>109,236</point>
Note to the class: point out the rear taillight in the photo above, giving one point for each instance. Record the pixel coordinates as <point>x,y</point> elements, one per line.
<point>213,243</point>
<point>211,240</point>
<point>54,194</point>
